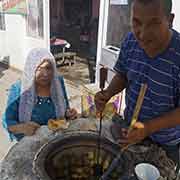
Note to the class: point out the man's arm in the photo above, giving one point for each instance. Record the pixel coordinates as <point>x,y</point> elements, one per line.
<point>168,120</point>
<point>117,84</point>
<point>142,130</point>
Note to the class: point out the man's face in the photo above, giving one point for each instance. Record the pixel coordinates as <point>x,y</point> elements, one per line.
<point>150,25</point>
<point>44,73</point>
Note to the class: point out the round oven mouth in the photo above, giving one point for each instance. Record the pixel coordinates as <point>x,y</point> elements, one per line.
<point>73,156</point>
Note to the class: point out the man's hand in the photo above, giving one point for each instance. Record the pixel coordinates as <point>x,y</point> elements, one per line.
<point>101,98</point>
<point>30,128</point>
<point>71,114</point>
<point>135,135</point>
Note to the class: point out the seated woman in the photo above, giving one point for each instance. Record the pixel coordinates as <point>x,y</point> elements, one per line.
<point>38,97</point>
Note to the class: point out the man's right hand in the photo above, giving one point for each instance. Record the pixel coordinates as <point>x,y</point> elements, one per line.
<point>117,84</point>
<point>101,98</point>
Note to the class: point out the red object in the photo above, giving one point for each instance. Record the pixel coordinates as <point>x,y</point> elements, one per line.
<point>57,41</point>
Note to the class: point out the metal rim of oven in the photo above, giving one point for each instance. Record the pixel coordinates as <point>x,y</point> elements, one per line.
<point>64,139</point>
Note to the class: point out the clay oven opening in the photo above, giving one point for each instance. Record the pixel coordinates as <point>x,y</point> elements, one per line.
<point>73,156</point>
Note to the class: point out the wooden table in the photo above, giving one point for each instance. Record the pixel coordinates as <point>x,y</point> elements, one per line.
<point>58,43</point>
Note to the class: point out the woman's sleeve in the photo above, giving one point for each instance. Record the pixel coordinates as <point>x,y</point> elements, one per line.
<point>10,116</point>
<point>64,91</point>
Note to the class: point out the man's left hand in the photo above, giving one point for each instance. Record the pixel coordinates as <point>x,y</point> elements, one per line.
<point>137,133</point>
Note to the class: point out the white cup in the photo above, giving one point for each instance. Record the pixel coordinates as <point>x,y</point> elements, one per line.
<point>145,171</point>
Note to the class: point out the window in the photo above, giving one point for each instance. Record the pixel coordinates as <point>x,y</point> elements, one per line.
<point>118,22</point>
<point>2,19</point>
<point>35,19</point>
<point>2,22</point>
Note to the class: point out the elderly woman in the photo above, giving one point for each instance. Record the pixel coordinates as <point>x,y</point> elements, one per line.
<point>38,97</point>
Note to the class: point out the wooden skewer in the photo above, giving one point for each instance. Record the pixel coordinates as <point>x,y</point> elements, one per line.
<point>103,78</point>
<point>138,105</point>
<point>139,102</point>
<point>136,111</point>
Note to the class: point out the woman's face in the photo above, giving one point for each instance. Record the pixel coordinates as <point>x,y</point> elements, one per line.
<point>44,73</point>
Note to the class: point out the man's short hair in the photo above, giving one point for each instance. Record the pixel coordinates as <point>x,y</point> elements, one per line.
<point>166,3</point>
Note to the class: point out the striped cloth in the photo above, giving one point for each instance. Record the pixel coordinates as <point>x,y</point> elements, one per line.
<point>162,74</point>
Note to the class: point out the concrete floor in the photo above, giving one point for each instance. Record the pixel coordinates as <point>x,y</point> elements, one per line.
<point>75,76</point>
<point>7,77</point>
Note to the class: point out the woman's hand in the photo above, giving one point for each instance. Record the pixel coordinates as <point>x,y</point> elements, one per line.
<point>28,128</point>
<point>71,113</point>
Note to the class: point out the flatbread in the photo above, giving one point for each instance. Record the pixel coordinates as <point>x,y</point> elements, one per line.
<point>57,124</point>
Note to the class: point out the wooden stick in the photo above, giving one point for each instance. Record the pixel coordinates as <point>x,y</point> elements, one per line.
<point>138,105</point>
<point>116,160</point>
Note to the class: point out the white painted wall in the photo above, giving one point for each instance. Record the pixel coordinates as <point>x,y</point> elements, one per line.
<point>102,30</point>
<point>176,11</point>
<point>35,42</point>
<point>15,43</point>
<point>2,43</point>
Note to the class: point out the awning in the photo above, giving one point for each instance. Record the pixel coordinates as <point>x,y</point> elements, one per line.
<point>14,6</point>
